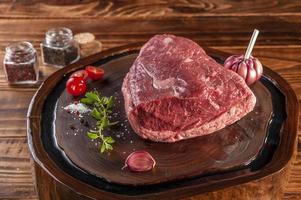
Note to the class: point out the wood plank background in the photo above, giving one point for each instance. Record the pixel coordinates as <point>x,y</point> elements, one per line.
<point>221,24</point>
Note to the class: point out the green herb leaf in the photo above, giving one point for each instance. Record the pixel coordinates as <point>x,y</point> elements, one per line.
<point>93,135</point>
<point>109,140</point>
<point>103,148</point>
<point>87,101</point>
<point>104,122</point>
<point>104,100</point>
<point>109,147</point>
<point>110,102</point>
<point>96,114</point>
<point>93,96</point>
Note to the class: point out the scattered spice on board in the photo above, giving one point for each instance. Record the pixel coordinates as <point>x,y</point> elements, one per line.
<point>72,127</point>
<point>84,122</point>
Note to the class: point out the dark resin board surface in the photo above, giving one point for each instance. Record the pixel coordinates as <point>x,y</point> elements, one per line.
<point>234,146</point>
<point>257,145</point>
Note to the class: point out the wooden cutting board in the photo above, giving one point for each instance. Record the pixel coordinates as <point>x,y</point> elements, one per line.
<point>259,144</point>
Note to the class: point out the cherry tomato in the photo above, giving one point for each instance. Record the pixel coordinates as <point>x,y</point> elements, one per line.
<point>76,86</point>
<point>80,73</point>
<point>95,73</point>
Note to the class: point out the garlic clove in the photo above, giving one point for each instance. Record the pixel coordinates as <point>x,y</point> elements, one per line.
<point>243,70</point>
<point>252,76</point>
<point>250,62</point>
<point>140,161</point>
<point>229,62</point>
<point>235,67</point>
<point>258,67</point>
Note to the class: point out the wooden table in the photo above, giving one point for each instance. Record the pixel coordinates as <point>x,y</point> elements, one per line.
<point>224,25</point>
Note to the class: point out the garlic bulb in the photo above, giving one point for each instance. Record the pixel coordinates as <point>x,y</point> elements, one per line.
<point>249,69</point>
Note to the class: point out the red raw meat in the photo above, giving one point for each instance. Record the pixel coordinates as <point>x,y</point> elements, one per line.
<point>175,91</point>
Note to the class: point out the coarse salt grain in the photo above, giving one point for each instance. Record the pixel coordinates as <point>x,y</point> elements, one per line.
<point>77,108</point>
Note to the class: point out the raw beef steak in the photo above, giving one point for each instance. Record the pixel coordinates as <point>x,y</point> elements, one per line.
<point>175,91</point>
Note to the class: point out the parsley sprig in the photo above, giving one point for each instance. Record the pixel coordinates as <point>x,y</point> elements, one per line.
<point>102,107</point>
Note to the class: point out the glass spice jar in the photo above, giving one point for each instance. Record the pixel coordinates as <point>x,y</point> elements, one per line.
<point>20,63</point>
<point>59,48</point>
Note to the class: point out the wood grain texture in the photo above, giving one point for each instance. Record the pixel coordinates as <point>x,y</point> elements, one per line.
<point>225,25</point>
<point>144,9</point>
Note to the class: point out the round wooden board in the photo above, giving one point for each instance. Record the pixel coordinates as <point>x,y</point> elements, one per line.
<point>232,147</point>
<point>258,145</point>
